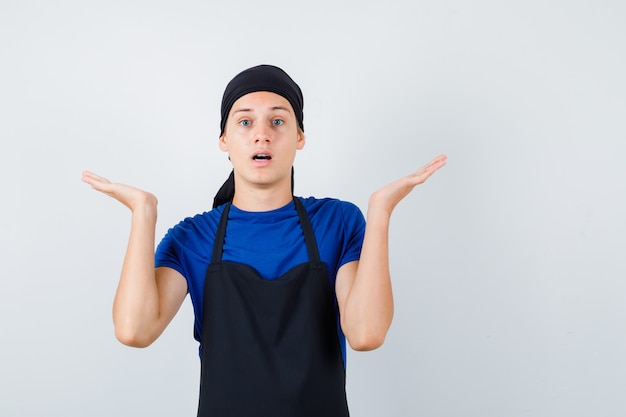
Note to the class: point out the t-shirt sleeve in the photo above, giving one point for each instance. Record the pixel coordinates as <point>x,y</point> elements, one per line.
<point>186,247</point>
<point>168,251</point>
<point>354,231</point>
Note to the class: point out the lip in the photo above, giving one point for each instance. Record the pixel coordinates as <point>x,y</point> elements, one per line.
<point>262,162</point>
<point>262,152</point>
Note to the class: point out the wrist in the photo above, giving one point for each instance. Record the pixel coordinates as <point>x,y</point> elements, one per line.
<point>146,207</point>
<point>379,206</point>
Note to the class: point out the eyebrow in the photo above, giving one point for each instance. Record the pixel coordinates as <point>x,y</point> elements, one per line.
<point>245,109</point>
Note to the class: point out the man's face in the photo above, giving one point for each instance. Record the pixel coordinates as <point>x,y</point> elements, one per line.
<point>261,138</point>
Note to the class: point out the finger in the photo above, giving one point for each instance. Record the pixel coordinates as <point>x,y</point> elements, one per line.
<point>88,175</point>
<point>95,181</point>
<point>435,164</point>
<point>427,170</point>
<point>100,184</point>
<point>421,176</point>
<point>438,162</point>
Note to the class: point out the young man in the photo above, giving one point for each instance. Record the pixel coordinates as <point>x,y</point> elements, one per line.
<point>278,282</point>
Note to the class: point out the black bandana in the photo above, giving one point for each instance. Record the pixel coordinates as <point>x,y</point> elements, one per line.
<point>263,78</point>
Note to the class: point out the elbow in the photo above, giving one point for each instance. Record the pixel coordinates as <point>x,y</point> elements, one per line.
<point>131,338</point>
<point>366,341</point>
<point>366,334</point>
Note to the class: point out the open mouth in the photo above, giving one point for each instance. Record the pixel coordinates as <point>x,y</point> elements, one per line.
<point>262,157</point>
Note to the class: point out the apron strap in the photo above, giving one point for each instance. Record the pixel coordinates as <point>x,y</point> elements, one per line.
<point>307,230</point>
<point>220,234</point>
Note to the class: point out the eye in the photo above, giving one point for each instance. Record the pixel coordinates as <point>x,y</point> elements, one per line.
<point>278,122</point>
<point>245,122</point>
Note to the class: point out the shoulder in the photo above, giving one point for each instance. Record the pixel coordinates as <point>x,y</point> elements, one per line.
<point>201,226</point>
<point>315,205</point>
<point>327,211</point>
<point>339,228</point>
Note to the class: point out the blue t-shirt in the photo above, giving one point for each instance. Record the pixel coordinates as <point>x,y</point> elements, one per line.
<point>271,242</point>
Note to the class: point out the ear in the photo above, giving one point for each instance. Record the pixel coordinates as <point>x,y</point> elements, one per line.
<point>223,144</point>
<point>301,139</point>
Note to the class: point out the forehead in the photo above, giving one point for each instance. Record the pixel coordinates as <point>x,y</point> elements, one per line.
<point>261,100</point>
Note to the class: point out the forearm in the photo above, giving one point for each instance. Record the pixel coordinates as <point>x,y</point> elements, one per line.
<point>364,296</point>
<point>368,307</point>
<point>136,304</point>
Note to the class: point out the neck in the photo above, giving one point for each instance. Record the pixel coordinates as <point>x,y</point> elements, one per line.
<point>261,199</point>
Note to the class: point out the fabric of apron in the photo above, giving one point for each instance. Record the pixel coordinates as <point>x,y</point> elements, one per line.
<point>270,347</point>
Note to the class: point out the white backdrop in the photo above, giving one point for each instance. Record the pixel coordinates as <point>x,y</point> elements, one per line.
<point>508,264</point>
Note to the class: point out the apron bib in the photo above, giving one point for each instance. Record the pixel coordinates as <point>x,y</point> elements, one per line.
<point>270,347</point>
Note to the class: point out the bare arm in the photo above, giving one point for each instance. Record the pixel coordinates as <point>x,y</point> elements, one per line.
<point>364,287</point>
<point>147,298</point>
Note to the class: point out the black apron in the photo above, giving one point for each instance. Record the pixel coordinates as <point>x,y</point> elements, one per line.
<point>270,347</point>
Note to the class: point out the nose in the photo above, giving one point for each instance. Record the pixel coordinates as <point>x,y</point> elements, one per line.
<point>261,133</point>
